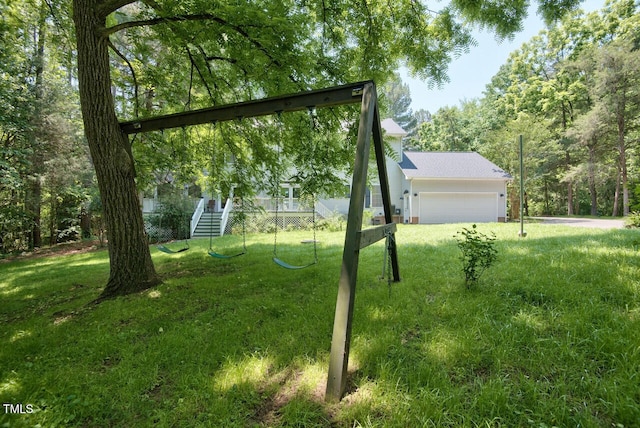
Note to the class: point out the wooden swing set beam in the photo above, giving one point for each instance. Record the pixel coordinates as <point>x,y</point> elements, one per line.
<point>327,97</point>
<point>356,238</point>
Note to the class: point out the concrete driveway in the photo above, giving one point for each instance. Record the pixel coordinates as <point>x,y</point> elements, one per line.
<point>596,223</point>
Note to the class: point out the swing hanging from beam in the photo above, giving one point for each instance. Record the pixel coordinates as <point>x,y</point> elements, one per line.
<point>168,250</point>
<point>163,247</point>
<point>281,262</point>
<point>278,197</point>
<point>213,253</point>
<point>369,128</point>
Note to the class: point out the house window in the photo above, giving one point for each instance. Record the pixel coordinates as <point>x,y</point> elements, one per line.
<point>376,196</point>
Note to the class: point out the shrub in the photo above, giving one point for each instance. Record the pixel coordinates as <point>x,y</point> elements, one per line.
<point>335,223</point>
<point>172,219</point>
<point>478,253</point>
<point>632,220</point>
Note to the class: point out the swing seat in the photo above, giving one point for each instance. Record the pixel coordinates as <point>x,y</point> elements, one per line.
<point>168,250</point>
<point>288,266</point>
<point>224,256</point>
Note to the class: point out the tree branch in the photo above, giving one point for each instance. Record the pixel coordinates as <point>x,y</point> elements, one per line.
<point>108,6</point>
<point>155,21</point>
<point>204,81</point>
<point>136,105</point>
<point>225,59</point>
<point>199,17</point>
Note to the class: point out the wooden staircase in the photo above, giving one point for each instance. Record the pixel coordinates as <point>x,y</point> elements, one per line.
<point>209,225</point>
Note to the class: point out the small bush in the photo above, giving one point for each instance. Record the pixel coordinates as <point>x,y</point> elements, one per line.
<point>335,223</point>
<point>633,220</point>
<point>478,253</point>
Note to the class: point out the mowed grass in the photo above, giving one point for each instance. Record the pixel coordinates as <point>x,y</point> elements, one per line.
<point>549,337</point>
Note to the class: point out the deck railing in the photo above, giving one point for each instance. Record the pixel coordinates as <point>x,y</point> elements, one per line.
<point>225,216</point>
<point>195,218</point>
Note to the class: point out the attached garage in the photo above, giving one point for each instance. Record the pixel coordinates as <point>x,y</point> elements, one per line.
<point>458,207</point>
<point>452,187</point>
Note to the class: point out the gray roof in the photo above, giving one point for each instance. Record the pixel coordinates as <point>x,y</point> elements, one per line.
<point>469,165</point>
<point>392,128</point>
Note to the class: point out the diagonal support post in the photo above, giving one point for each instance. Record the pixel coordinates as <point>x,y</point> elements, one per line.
<point>369,127</point>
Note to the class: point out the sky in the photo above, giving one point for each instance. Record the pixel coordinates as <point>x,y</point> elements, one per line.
<point>471,72</point>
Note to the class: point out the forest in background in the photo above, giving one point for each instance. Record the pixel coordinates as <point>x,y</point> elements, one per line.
<point>47,183</point>
<point>572,91</point>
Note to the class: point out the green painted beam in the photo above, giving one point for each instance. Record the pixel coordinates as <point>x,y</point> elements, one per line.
<point>327,97</point>
<point>375,234</point>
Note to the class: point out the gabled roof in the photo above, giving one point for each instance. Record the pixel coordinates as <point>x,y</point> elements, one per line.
<point>469,165</point>
<point>392,128</point>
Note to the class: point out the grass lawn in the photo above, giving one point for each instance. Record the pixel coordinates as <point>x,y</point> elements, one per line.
<point>549,337</point>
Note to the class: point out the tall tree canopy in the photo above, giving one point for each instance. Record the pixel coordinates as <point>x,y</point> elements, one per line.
<point>173,55</point>
<point>572,91</point>
<point>577,80</point>
<point>42,162</point>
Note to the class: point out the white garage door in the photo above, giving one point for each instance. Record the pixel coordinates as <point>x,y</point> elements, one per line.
<point>458,207</point>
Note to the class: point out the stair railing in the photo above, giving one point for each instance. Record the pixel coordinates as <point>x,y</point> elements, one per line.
<point>195,218</point>
<point>322,210</point>
<point>228,206</point>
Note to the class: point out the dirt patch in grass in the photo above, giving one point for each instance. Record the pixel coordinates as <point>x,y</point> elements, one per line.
<point>267,413</point>
<point>66,249</point>
<point>288,386</point>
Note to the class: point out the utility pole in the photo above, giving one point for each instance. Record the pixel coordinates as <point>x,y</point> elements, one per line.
<point>522,232</point>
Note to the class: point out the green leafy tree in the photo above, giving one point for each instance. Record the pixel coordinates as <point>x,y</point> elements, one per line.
<point>558,79</point>
<point>542,155</point>
<point>397,97</point>
<point>618,79</point>
<point>444,131</point>
<point>458,128</point>
<point>38,121</point>
<point>588,131</point>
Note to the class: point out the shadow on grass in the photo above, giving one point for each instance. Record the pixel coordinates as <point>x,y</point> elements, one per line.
<point>551,322</point>
<point>548,336</point>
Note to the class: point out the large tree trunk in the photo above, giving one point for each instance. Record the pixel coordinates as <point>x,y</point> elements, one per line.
<point>623,163</point>
<point>132,269</point>
<point>569,185</point>
<point>34,192</point>
<point>616,195</point>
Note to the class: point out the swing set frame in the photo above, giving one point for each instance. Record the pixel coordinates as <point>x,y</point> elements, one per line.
<point>356,238</point>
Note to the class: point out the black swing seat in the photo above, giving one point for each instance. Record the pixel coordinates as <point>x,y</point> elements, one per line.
<point>288,266</point>
<point>224,256</point>
<point>168,250</point>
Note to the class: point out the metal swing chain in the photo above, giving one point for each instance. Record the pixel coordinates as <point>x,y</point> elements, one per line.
<point>314,126</point>
<point>276,187</point>
<point>315,241</point>
<point>390,244</point>
<point>213,167</point>
<point>239,168</point>
<point>244,227</point>
<point>386,261</point>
